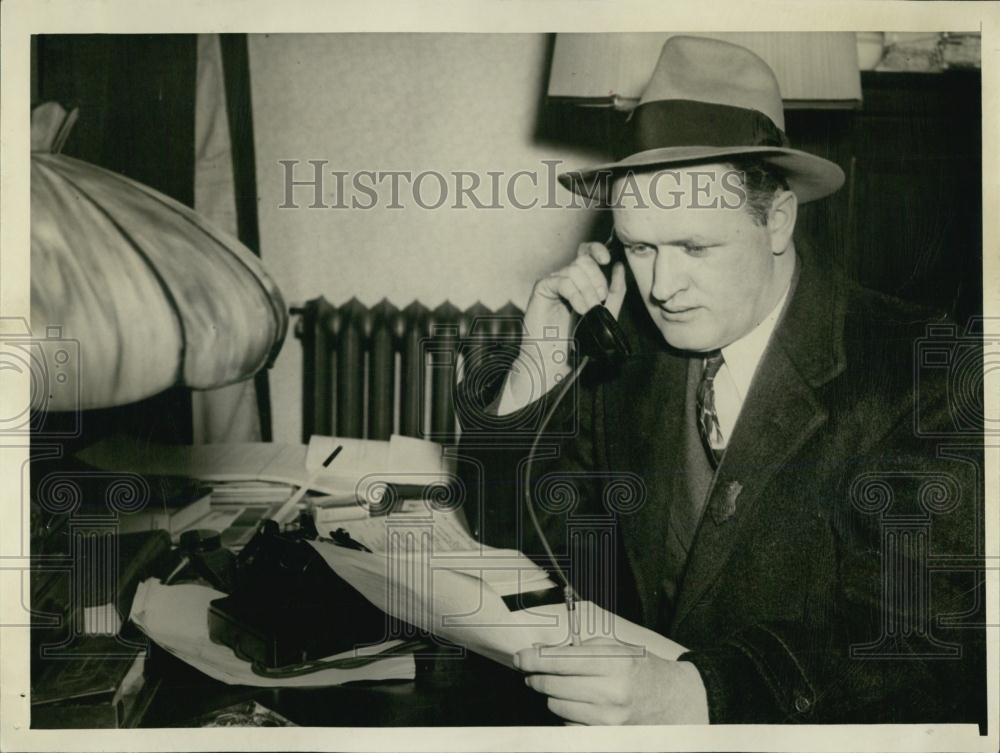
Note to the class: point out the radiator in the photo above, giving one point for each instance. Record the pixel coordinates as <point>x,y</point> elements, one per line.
<point>371,372</point>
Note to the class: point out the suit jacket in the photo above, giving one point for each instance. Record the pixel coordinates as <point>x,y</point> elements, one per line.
<point>834,575</point>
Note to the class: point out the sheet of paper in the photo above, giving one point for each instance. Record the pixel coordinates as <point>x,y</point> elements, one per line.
<point>224,462</point>
<point>447,529</point>
<point>410,455</point>
<point>370,463</point>
<point>419,532</point>
<point>263,461</point>
<point>451,605</point>
<point>449,596</point>
<point>332,500</point>
<point>551,621</point>
<point>176,617</point>
<point>357,458</point>
<point>331,518</point>
<point>451,532</point>
<point>286,462</point>
<point>219,461</point>
<point>360,470</point>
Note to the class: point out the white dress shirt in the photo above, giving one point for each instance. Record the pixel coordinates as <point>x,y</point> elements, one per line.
<point>740,362</point>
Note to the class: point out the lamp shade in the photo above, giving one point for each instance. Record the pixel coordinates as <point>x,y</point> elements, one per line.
<point>814,69</point>
<point>153,295</point>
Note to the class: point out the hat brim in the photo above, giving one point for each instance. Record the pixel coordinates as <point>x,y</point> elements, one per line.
<point>809,177</point>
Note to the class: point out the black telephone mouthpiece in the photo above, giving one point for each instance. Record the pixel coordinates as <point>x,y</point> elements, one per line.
<point>599,336</point>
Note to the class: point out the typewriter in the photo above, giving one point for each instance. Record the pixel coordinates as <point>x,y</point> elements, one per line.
<point>288,609</point>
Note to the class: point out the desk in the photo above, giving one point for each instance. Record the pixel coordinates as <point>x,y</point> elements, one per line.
<point>468,691</point>
<point>447,692</point>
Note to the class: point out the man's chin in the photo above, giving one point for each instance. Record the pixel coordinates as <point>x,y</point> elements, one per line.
<point>687,336</point>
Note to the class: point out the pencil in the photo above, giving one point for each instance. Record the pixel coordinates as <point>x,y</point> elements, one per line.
<point>293,501</point>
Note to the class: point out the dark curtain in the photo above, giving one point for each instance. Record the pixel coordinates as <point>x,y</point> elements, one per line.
<point>239,109</point>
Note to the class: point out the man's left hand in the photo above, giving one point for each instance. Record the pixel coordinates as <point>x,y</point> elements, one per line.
<point>604,682</point>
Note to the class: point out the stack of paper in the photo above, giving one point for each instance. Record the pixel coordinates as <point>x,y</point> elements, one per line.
<point>330,512</point>
<point>241,493</point>
<point>176,617</point>
<point>447,529</point>
<point>457,596</point>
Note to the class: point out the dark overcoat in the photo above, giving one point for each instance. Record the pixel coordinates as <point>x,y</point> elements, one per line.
<point>835,576</point>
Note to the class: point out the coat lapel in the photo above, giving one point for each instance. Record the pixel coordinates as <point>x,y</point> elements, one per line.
<point>780,413</point>
<point>642,433</point>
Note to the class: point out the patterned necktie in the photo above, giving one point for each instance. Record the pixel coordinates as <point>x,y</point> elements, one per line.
<point>708,419</point>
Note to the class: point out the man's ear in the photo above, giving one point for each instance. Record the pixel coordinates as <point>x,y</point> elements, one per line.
<point>781,221</point>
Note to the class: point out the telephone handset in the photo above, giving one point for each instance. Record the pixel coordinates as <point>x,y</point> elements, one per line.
<point>598,336</point>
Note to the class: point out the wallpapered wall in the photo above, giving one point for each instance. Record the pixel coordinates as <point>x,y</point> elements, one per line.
<point>442,102</point>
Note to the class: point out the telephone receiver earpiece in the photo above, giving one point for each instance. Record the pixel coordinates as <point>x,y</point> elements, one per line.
<point>600,337</point>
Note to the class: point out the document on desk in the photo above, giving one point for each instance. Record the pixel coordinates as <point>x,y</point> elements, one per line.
<point>458,596</point>
<point>176,618</point>
<point>362,468</point>
<point>447,529</point>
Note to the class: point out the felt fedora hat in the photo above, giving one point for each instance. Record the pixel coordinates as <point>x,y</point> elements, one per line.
<point>708,101</point>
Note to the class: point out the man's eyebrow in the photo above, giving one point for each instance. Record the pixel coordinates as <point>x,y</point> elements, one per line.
<point>692,240</point>
<point>687,240</point>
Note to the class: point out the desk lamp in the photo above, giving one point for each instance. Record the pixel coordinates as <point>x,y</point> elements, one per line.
<point>151,292</point>
<point>131,293</point>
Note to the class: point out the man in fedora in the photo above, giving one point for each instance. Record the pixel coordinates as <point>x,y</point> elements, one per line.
<point>768,410</point>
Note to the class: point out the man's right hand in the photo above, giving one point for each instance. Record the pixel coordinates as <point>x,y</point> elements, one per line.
<point>556,302</point>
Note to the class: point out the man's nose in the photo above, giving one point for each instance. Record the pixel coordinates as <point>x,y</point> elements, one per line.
<point>669,276</point>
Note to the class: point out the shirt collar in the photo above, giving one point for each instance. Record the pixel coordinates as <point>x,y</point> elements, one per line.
<point>743,355</point>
